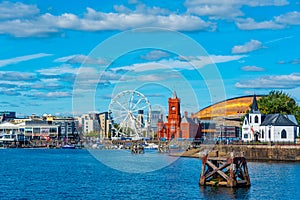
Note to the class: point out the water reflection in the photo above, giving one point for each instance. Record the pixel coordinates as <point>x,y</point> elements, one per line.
<point>209,192</point>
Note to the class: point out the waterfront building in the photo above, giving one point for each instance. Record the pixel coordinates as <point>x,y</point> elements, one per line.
<point>10,128</point>
<point>95,123</point>
<point>20,120</point>
<point>177,126</point>
<point>270,127</point>
<point>227,133</point>
<point>171,129</point>
<point>224,117</point>
<point>155,117</point>
<point>45,127</point>
<point>7,116</point>
<point>190,127</point>
<point>37,130</point>
<point>105,125</point>
<point>230,110</point>
<point>89,123</point>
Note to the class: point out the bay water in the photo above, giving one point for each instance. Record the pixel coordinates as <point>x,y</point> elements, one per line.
<point>80,174</point>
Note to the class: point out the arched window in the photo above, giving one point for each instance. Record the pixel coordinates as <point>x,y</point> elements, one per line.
<point>256,119</point>
<point>283,133</point>
<point>262,134</point>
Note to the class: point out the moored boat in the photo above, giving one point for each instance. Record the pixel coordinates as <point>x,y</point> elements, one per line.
<point>68,146</point>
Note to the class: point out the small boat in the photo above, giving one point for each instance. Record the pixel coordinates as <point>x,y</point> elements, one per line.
<point>68,146</point>
<point>151,146</point>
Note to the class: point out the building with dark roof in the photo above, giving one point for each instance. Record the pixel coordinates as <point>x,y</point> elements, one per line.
<point>190,127</point>
<point>270,127</point>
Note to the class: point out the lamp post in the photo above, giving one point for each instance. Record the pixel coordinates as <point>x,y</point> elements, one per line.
<point>221,127</point>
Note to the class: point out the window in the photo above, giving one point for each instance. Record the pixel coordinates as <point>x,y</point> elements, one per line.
<point>269,133</point>
<point>250,119</point>
<point>246,136</point>
<point>262,134</point>
<point>256,119</point>
<point>283,133</point>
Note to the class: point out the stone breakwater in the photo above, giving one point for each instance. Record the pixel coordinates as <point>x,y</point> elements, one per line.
<point>264,152</point>
<point>252,152</point>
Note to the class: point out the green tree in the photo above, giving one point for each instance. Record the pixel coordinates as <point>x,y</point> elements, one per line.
<point>279,102</point>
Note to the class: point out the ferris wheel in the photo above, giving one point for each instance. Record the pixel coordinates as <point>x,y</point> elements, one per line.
<point>130,112</point>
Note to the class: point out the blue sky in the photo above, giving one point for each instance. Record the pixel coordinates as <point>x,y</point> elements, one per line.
<point>52,52</point>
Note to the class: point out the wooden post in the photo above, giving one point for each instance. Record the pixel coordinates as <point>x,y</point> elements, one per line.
<point>222,171</point>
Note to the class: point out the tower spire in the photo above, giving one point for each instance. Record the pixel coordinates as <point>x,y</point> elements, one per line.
<point>174,95</point>
<point>254,107</point>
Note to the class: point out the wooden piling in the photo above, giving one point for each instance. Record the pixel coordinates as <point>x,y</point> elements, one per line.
<point>137,148</point>
<point>163,147</point>
<point>224,171</point>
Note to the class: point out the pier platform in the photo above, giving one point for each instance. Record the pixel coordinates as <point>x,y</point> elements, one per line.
<point>224,171</point>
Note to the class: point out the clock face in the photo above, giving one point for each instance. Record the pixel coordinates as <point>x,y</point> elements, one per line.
<point>173,107</point>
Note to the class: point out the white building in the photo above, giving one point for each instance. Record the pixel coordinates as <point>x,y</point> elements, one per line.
<point>96,123</point>
<point>90,123</point>
<point>105,125</point>
<point>270,127</point>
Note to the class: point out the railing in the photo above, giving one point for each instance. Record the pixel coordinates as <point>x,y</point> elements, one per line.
<point>261,143</point>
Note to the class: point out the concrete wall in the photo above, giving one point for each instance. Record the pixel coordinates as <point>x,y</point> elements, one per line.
<point>264,152</point>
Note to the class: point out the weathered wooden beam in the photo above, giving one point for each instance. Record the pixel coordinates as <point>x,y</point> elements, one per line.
<point>220,171</point>
<point>217,170</point>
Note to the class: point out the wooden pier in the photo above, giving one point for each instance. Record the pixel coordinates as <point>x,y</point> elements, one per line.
<point>163,147</point>
<point>229,171</point>
<point>137,147</point>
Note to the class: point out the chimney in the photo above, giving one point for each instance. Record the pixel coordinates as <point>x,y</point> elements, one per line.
<point>186,114</point>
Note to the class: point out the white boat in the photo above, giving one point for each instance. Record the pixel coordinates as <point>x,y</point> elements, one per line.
<point>151,146</point>
<point>7,138</point>
<point>68,146</point>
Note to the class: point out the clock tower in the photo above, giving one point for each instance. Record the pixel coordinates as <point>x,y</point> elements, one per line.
<point>174,118</point>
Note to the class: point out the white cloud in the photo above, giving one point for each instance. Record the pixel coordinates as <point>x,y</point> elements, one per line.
<point>272,82</point>
<point>58,70</point>
<point>155,55</point>
<point>291,18</point>
<point>252,69</point>
<point>13,83</point>
<point>16,76</point>
<point>95,21</point>
<point>151,78</point>
<point>250,24</point>
<point>223,59</point>
<point>49,94</point>
<point>225,8</point>
<point>142,8</point>
<point>216,9</point>
<point>252,45</point>
<point>79,59</point>
<point>16,60</point>
<point>46,24</point>
<point>184,62</point>
<point>9,10</point>
<point>27,28</point>
<point>277,22</point>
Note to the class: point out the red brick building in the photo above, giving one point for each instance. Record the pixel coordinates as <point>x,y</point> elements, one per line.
<point>177,127</point>
<point>190,127</point>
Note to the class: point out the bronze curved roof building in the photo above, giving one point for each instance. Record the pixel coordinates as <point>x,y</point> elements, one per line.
<point>230,109</point>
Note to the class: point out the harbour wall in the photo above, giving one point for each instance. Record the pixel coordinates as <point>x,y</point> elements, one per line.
<point>263,152</point>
